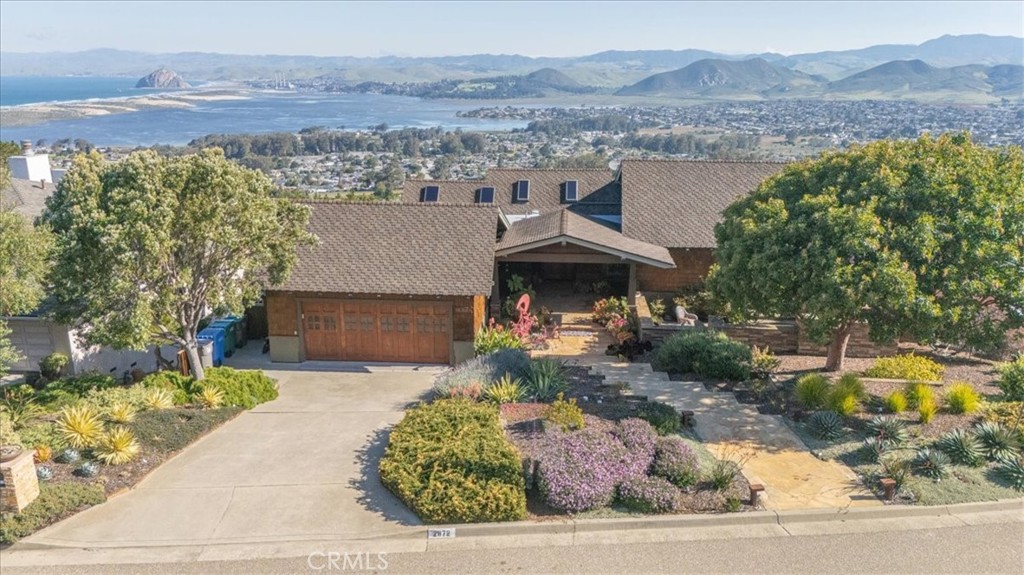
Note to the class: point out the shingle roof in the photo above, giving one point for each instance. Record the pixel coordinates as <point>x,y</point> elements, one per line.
<point>598,192</point>
<point>676,203</point>
<point>27,197</point>
<point>397,249</point>
<point>566,225</point>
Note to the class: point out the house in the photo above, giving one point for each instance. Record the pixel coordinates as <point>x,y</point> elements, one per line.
<point>34,335</point>
<point>414,281</point>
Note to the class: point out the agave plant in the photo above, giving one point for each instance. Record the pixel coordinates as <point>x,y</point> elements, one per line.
<point>117,447</point>
<point>931,463</point>
<point>44,473</point>
<point>80,425</point>
<point>87,469</point>
<point>889,430</point>
<point>876,448</point>
<point>546,379</point>
<point>998,442</point>
<point>69,455</point>
<point>121,412</point>
<point>962,447</point>
<point>159,398</point>
<point>895,468</point>
<point>1012,470</point>
<point>505,390</point>
<point>826,425</point>
<point>210,397</point>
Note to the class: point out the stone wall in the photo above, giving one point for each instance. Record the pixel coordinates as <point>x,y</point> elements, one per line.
<point>860,345</point>
<point>20,485</point>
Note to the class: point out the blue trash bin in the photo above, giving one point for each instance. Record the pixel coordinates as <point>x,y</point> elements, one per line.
<point>216,335</point>
<point>228,325</point>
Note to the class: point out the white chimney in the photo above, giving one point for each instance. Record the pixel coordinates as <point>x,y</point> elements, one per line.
<point>29,165</point>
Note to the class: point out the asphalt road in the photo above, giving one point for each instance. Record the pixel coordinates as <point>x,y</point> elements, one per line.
<point>993,548</point>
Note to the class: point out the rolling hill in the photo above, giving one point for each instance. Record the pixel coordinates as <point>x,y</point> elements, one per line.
<point>720,78</point>
<point>902,78</point>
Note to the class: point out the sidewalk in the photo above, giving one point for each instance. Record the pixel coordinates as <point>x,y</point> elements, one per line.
<point>772,454</point>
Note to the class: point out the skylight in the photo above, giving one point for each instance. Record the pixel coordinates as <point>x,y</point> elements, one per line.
<point>430,193</point>
<point>522,190</point>
<point>485,195</point>
<point>570,191</point>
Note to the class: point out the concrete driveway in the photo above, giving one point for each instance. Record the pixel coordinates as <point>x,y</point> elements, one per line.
<point>300,468</point>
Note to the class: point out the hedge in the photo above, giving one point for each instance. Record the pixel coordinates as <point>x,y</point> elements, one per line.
<point>707,353</point>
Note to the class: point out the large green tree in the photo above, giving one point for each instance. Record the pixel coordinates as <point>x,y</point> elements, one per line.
<point>148,246</point>
<point>918,238</point>
<point>23,253</point>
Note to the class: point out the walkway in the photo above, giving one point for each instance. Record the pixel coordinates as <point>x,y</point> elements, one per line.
<point>770,453</point>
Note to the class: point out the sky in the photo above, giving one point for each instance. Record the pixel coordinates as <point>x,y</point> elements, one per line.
<point>458,28</point>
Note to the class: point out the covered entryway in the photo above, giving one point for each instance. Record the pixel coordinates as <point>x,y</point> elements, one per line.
<point>392,331</point>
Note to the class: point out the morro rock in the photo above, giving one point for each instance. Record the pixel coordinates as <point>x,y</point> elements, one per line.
<point>162,78</point>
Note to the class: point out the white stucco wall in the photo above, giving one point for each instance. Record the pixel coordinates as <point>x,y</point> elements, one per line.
<point>34,167</point>
<point>107,360</point>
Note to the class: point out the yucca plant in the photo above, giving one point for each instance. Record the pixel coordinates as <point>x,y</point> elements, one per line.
<point>888,429</point>
<point>80,425</point>
<point>1012,470</point>
<point>998,442</point>
<point>505,390</point>
<point>961,398</point>
<point>931,463</point>
<point>826,425</point>
<point>895,402</point>
<point>118,446</point>
<point>962,447</point>
<point>546,379</point>
<point>159,398</point>
<point>210,397</point>
<point>121,412</point>
<point>812,391</point>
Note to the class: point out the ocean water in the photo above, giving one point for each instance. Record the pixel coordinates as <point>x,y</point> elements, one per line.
<point>260,112</point>
<point>17,90</point>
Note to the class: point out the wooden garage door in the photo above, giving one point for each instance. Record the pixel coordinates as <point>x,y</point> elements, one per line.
<point>410,332</point>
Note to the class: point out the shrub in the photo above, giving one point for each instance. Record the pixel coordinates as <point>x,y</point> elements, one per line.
<point>763,363</point>
<point>608,309</point>
<point>182,387</point>
<point>663,417</point>
<point>657,307</point>
<point>69,389</point>
<point>812,391</point>
<point>493,337</point>
<point>931,463</point>
<point>962,447</point>
<point>52,365</point>
<point>1009,414</point>
<point>564,414</point>
<point>895,402</point>
<point>159,398</point>
<point>449,462</point>
<point>209,397</point>
<point>483,371</point>
<point>580,470</point>
<point>168,430</point>
<point>505,390</point>
<point>241,388</point>
<point>55,502</point>
<point>473,392</point>
<point>650,495</point>
<point>1011,379</point>
<point>1012,470</point>
<point>998,442</point>
<point>81,425</point>
<point>961,398</point>
<point>825,425</point>
<point>927,409</point>
<point>846,394</point>
<point>104,399</point>
<point>19,404</point>
<point>7,434</point>
<point>675,461</point>
<point>42,433</point>
<point>546,379</point>
<point>639,438</point>
<point>908,366</point>
<point>121,412</point>
<point>918,392</point>
<point>889,430</point>
<point>706,353</point>
<point>117,447</point>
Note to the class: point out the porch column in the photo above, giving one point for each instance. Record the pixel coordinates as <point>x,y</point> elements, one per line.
<point>495,307</point>
<point>631,298</point>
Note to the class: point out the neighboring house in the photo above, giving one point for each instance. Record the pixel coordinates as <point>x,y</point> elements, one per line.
<point>414,281</point>
<point>34,335</point>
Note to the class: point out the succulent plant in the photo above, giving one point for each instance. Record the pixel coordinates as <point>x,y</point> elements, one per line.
<point>888,429</point>
<point>931,463</point>
<point>998,442</point>
<point>826,425</point>
<point>69,455</point>
<point>121,412</point>
<point>118,446</point>
<point>87,469</point>
<point>158,398</point>
<point>43,454</point>
<point>875,448</point>
<point>1012,470</point>
<point>44,473</point>
<point>80,424</point>
<point>962,447</point>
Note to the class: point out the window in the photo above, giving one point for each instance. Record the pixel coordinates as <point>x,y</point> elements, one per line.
<point>430,194</point>
<point>571,194</point>
<point>523,190</point>
<point>485,196</point>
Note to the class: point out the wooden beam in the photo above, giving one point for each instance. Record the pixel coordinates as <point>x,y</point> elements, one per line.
<point>632,285</point>
<point>479,312</point>
<point>563,258</point>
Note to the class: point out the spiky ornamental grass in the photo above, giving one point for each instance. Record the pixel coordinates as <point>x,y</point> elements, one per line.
<point>121,412</point>
<point>117,447</point>
<point>158,398</point>
<point>505,390</point>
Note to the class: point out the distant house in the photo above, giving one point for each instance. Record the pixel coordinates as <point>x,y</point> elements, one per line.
<point>414,281</point>
<point>34,335</point>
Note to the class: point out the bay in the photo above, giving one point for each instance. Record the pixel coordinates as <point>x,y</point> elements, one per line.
<point>19,90</point>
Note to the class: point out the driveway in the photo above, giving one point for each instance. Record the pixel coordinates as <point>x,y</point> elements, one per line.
<point>300,468</point>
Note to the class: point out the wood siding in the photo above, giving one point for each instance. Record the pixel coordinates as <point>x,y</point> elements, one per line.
<point>692,267</point>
